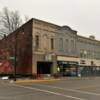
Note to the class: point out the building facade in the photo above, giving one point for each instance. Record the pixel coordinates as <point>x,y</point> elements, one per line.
<point>46,48</point>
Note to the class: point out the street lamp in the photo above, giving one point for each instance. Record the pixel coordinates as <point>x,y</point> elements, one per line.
<point>15,55</point>
<point>15,52</point>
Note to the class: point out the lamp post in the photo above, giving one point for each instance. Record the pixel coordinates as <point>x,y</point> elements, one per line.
<point>15,56</point>
<point>15,51</point>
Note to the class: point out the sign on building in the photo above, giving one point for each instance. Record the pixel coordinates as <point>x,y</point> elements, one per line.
<point>48,57</point>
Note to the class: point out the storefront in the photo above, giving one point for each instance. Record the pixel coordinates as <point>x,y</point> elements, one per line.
<point>44,64</point>
<point>89,67</point>
<point>68,66</point>
<point>89,70</point>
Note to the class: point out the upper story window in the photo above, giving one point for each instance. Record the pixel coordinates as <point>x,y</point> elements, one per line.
<point>72,46</point>
<point>82,53</point>
<point>61,44</point>
<point>37,41</point>
<point>66,45</point>
<point>45,41</point>
<point>52,43</point>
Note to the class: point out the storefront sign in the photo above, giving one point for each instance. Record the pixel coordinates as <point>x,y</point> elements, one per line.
<point>82,61</point>
<point>48,57</point>
<point>68,62</point>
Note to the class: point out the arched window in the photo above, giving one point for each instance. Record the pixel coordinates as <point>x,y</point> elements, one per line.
<point>61,44</point>
<point>66,45</point>
<point>37,41</point>
<point>45,41</point>
<point>72,46</point>
<point>52,43</point>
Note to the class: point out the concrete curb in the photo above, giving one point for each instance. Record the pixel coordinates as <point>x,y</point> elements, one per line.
<point>36,81</point>
<point>79,78</point>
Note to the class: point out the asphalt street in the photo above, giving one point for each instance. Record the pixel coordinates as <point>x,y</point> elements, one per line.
<point>64,89</point>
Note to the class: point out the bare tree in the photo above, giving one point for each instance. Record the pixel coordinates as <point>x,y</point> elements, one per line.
<point>9,21</point>
<point>26,18</point>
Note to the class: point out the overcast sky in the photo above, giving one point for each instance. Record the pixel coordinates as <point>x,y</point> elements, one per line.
<point>80,15</point>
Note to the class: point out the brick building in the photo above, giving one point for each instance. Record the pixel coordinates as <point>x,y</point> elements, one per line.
<point>46,48</point>
<point>23,38</point>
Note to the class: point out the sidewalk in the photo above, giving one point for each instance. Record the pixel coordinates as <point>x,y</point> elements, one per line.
<point>46,80</point>
<point>80,78</point>
<point>36,80</point>
<point>43,80</point>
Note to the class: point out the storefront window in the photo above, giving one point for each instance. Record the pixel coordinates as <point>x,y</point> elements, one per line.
<point>68,68</point>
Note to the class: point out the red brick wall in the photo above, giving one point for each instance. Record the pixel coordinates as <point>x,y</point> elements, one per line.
<point>23,48</point>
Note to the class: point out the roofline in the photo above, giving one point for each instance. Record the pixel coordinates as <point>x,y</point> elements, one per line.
<point>32,19</point>
<point>17,29</point>
<point>88,38</point>
<point>46,22</point>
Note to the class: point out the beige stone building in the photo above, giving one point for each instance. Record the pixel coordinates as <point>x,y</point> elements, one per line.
<point>60,47</point>
<point>47,48</point>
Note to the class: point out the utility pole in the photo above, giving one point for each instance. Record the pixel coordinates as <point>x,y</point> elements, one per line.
<point>15,55</point>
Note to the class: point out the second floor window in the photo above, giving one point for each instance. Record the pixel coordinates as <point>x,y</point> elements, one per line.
<point>72,46</point>
<point>66,45</point>
<point>61,44</point>
<point>37,41</point>
<point>52,43</point>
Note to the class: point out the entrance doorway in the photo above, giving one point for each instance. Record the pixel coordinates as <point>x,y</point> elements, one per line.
<point>44,67</point>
